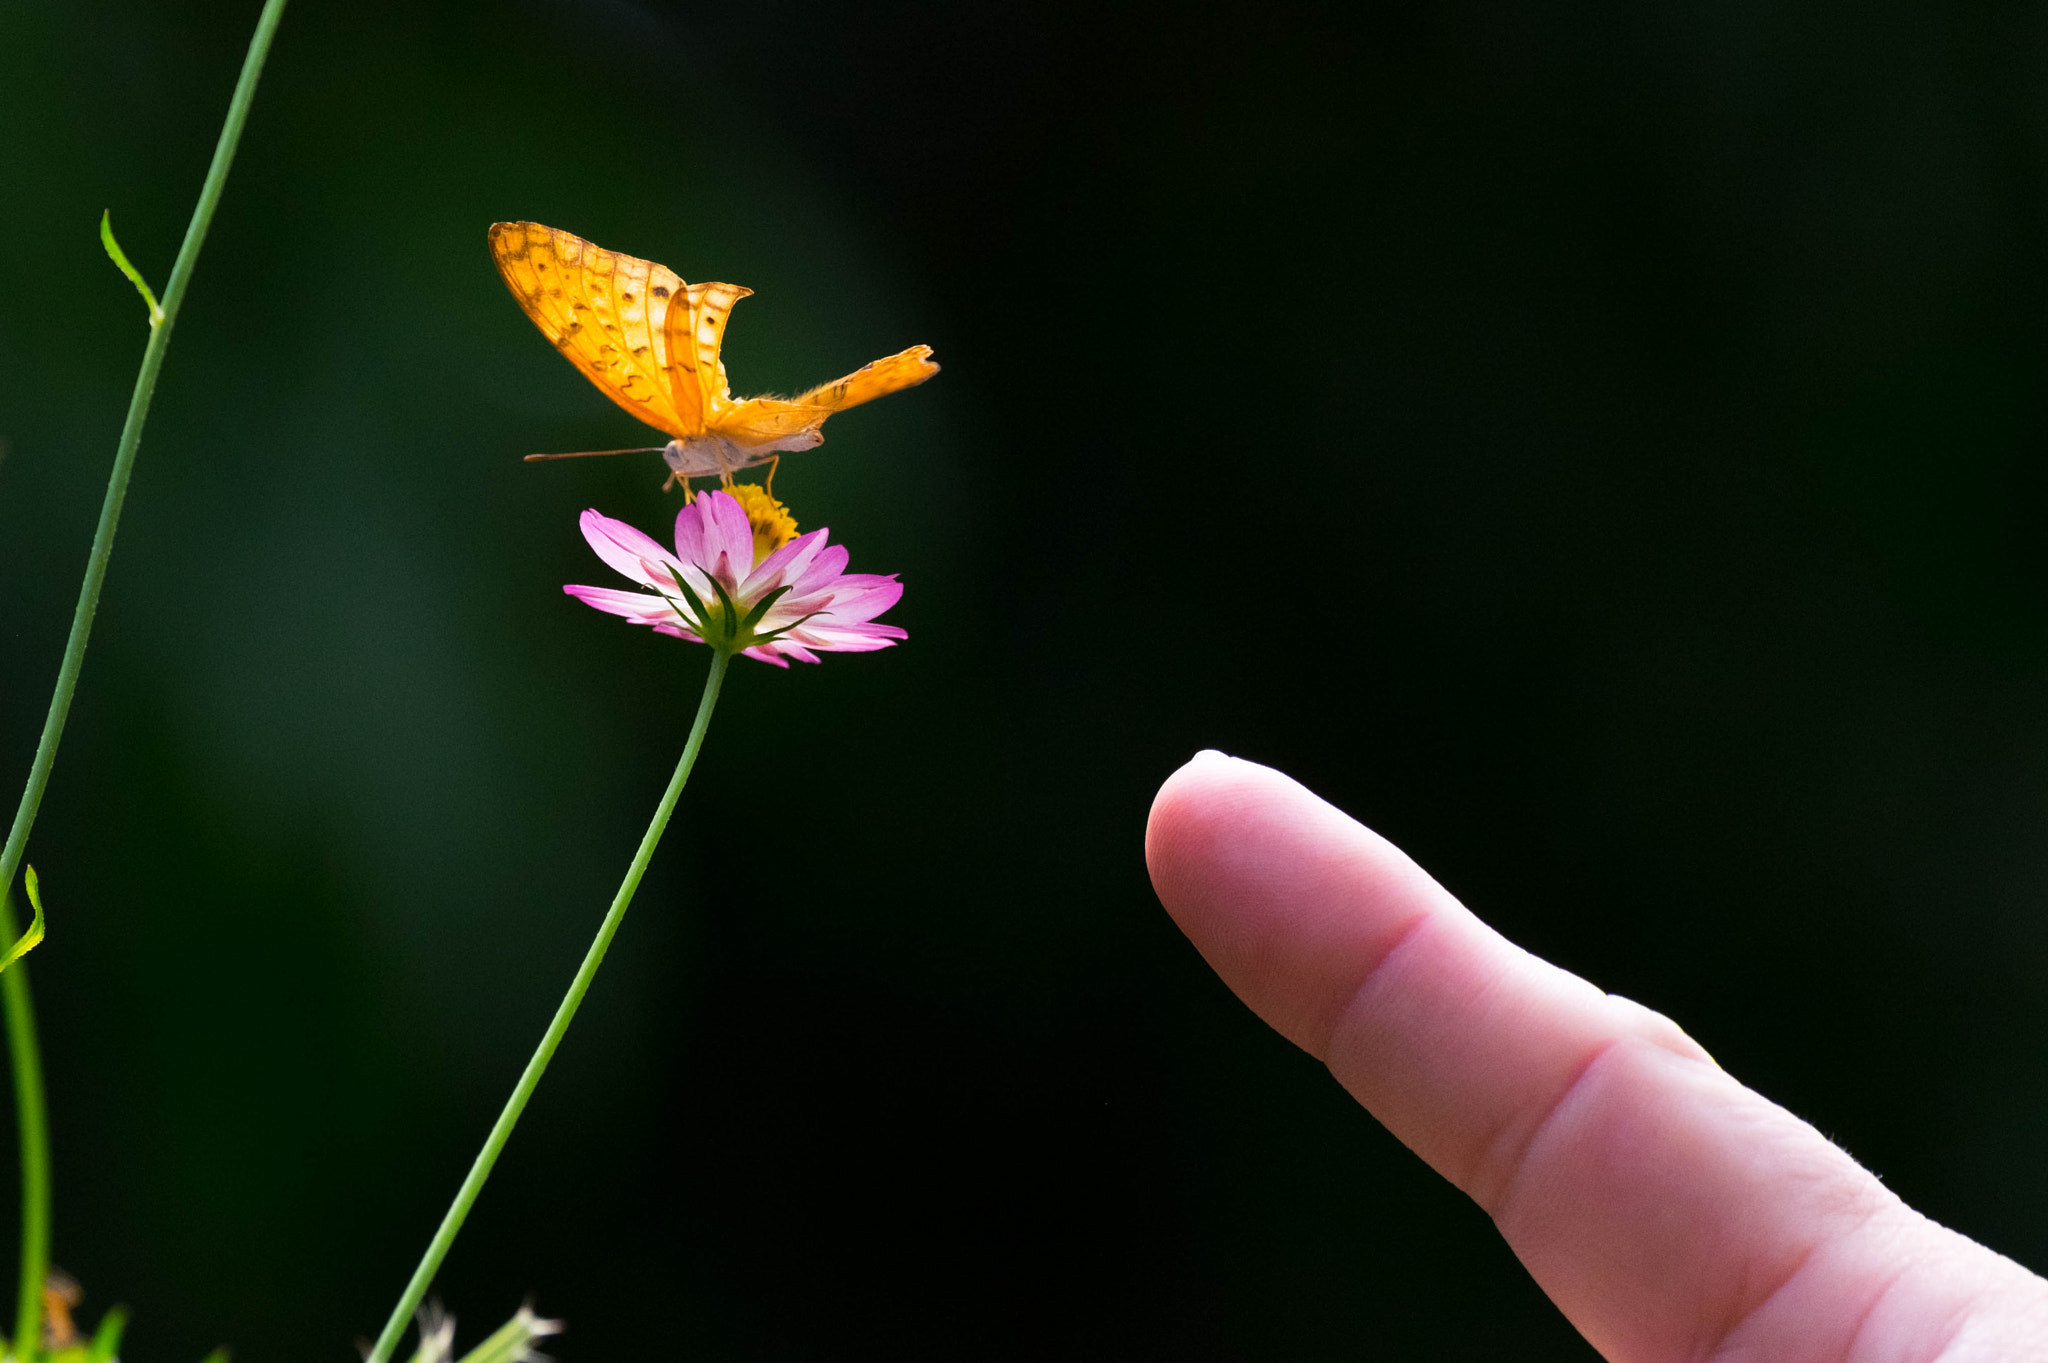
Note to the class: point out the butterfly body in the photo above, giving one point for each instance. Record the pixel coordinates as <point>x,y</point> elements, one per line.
<point>702,456</point>
<point>650,342</point>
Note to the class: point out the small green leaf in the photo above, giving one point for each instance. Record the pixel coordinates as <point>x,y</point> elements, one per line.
<point>219,1355</point>
<point>34,935</point>
<point>106,1340</point>
<point>115,254</point>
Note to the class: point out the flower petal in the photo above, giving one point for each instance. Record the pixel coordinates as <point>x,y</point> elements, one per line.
<point>841,642</point>
<point>690,531</point>
<point>787,563</point>
<point>624,548</point>
<point>728,539</point>
<point>863,596</point>
<point>639,607</point>
<point>829,564</point>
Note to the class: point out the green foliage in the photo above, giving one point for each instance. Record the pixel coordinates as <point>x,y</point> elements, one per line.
<point>106,1340</point>
<point>120,259</point>
<point>33,937</point>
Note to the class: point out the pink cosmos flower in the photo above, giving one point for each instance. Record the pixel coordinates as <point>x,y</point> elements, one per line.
<point>717,589</point>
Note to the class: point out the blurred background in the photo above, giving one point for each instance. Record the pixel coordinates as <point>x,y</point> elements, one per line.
<point>1597,444</point>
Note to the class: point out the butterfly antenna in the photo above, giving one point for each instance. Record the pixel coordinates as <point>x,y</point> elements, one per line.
<point>591,454</point>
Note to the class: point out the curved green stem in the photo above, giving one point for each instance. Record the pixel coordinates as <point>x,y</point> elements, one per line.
<point>32,1117</point>
<point>21,1035</point>
<point>131,440</point>
<point>465,1197</point>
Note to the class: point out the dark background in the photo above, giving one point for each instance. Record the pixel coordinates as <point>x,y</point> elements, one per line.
<point>1597,443</point>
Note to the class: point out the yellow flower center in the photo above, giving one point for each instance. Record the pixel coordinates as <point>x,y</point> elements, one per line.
<point>773,525</point>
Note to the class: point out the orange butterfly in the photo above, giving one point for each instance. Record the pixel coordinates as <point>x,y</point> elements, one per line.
<point>651,341</point>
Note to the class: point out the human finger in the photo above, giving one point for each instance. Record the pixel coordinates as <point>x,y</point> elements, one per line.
<point>1670,1212</point>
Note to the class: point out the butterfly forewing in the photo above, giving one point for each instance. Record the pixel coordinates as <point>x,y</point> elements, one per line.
<point>605,312</point>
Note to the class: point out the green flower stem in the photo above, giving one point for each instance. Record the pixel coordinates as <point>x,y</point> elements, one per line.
<point>33,1118</point>
<point>28,1087</point>
<point>458,1212</point>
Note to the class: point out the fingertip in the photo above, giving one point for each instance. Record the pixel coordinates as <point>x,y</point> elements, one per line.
<point>1195,808</point>
<point>1287,897</point>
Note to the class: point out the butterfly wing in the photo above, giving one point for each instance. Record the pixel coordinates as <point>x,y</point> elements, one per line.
<point>879,378</point>
<point>760,420</point>
<point>692,333</point>
<point>605,312</point>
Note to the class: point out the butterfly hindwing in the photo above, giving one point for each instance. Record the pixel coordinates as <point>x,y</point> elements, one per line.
<point>693,331</point>
<point>605,312</point>
<point>760,420</point>
<point>875,379</point>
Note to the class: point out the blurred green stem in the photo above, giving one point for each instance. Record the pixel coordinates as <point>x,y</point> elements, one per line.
<point>25,1058</point>
<point>458,1212</point>
<point>28,1083</point>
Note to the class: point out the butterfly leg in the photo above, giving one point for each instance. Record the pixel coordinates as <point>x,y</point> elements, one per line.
<point>768,483</point>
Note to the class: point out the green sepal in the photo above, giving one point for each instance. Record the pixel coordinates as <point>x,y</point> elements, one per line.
<point>120,259</point>
<point>680,609</point>
<point>34,935</point>
<point>761,608</point>
<point>731,612</point>
<point>703,620</point>
<point>772,635</point>
<point>726,629</point>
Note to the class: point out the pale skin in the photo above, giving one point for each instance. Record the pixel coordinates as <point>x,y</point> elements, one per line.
<point>1673,1215</point>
